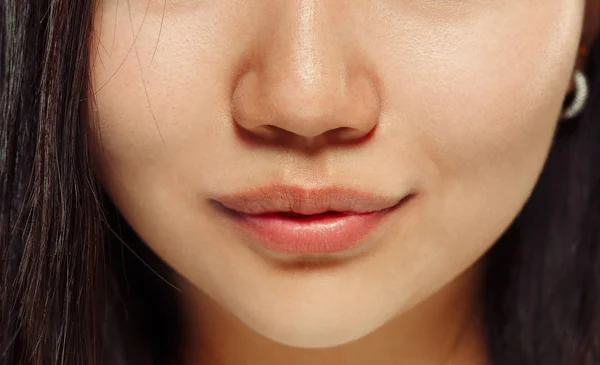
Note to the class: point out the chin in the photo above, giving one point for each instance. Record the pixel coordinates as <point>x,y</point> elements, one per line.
<point>321,328</point>
<point>318,338</point>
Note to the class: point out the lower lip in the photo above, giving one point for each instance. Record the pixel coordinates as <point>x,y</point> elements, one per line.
<point>313,234</point>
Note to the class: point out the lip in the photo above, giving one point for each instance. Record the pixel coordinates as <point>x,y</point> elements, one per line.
<point>285,198</point>
<point>264,215</point>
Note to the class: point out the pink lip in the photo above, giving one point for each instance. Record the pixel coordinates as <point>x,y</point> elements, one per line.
<point>262,217</point>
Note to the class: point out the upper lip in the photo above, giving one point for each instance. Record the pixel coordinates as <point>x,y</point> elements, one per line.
<point>286,198</point>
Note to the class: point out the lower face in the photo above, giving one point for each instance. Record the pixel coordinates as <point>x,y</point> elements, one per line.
<point>468,95</point>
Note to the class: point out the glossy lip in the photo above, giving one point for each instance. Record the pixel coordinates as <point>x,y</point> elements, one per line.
<point>259,214</point>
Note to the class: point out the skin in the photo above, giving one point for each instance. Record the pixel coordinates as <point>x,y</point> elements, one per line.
<point>454,100</point>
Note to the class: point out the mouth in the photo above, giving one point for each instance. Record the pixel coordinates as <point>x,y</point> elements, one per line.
<point>337,222</point>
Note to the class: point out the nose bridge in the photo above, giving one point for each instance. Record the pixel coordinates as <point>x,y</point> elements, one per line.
<point>304,68</point>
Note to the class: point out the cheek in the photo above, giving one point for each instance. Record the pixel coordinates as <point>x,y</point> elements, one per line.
<point>483,95</point>
<point>479,100</point>
<point>158,78</point>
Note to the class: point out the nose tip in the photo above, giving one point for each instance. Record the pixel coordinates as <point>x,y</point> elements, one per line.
<point>340,109</point>
<point>307,84</point>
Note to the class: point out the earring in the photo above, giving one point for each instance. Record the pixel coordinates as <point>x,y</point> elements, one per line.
<point>580,97</point>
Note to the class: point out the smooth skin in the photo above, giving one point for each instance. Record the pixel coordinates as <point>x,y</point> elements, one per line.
<point>454,100</point>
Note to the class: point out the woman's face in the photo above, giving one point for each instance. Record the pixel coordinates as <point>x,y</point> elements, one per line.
<point>455,101</point>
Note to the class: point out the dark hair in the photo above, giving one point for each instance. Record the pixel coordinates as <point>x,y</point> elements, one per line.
<point>77,286</point>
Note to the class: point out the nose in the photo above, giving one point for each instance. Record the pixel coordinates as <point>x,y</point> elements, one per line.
<point>306,81</point>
